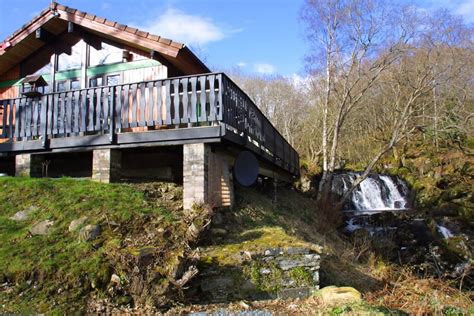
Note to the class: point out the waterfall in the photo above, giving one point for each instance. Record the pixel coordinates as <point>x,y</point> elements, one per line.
<point>375,193</point>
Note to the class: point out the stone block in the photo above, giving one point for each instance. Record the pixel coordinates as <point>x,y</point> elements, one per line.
<point>300,292</point>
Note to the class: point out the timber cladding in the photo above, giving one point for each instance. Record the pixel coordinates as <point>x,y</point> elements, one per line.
<point>10,92</point>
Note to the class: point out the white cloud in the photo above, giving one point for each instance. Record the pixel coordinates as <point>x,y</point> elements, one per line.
<point>241,64</point>
<point>186,28</point>
<point>466,9</point>
<point>266,69</point>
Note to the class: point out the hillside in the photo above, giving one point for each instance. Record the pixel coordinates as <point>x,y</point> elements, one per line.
<point>140,252</point>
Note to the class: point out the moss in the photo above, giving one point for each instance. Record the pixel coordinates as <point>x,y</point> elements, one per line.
<point>253,240</point>
<point>301,276</point>
<point>270,281</point>
<point>57,272</point>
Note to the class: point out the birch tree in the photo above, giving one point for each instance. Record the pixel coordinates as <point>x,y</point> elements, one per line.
<point>353,43</point>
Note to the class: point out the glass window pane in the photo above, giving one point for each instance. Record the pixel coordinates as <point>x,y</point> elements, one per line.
<point>113,80</point>
<point>45,70</point>
<point>95,82</point>
<point>75,84</point>
<point>73,61</point>
<point>107,55</point>
<point>61,86</point>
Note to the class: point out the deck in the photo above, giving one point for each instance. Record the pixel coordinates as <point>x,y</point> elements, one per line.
<point>200,108</point>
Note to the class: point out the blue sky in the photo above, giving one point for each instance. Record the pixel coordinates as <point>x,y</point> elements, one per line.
<point>257,36</point>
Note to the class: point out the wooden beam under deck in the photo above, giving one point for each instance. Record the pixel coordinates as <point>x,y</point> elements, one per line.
<point>123,140</point>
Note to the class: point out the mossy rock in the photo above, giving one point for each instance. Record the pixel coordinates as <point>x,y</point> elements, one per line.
<point>332,295</point>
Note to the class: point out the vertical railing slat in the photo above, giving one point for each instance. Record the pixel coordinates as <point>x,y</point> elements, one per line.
<point>106,110</point>
<point>167,118</point>
<point>142,106</point>
<point>150,104</point>
<point>212,98</point>
<point>118,108</point>
<point>98,109</point>
<point>159,103</point>
<point>203,114</point>
<point>193,82</point>
<point>91,107</point>
<point>185,101</point>
<point>4,123</point>
<point>126,106</point>
<point>176,119</point>
<point>11,121</point>
<point>220,104</point>
<point>44,119</point>
<point>69,114</point>
<point>134,122</point>
<point>84,110</point>
<point>17,119</point>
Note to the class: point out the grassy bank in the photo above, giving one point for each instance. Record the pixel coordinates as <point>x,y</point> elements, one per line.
<point>58,271</point>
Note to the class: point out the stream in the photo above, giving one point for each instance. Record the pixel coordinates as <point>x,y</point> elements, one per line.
<point>381,211</point>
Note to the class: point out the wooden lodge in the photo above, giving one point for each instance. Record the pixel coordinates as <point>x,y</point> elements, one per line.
<point>84,96</point>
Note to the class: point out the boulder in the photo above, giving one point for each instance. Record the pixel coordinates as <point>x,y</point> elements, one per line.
<point>24,215</point>
<point>76,223</point>
<point>89,232</point>
<point>332,295</point>
<point>41,228</point>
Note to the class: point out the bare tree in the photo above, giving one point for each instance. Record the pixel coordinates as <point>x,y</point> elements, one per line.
<point>354,43</point>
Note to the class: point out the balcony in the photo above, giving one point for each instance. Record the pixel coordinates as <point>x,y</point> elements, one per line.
<point>179,110</point>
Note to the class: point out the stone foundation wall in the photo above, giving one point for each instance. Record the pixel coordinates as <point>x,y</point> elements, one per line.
<point>106,165</point>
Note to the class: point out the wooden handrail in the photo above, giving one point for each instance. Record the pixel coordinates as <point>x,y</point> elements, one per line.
<point>187,101</point>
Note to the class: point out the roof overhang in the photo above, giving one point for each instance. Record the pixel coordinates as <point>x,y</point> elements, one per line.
<point>56,19</point>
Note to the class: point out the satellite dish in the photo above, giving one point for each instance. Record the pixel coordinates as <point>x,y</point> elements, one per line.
<point>246,168</point>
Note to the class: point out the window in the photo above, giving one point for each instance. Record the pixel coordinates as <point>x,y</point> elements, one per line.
<point>73,61</point>
<point>95,82</point>
<point>66,85</point>
<point>107,55</point>
<point>61,86</point>
<point>75,84</point>
<point>113,80</point>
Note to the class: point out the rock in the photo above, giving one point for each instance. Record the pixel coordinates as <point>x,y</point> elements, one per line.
<point>273,252</point>
<point>217,283</point>
<point>301,292</point>
<point>41,228</point>
<point>218,232</point>
<point>297,251</point>
<point>89,232</point>
<point>76,223</point>
<point>24,215</point>
<point>115,280</point>
<point>309,260</point>
<point>333,295</point>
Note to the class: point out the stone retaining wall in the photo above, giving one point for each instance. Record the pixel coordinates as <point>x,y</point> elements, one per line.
<point>273,273</point>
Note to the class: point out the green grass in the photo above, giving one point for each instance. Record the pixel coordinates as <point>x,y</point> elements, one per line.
<point>57,270</point>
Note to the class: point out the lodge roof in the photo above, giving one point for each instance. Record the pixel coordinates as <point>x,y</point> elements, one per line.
<point>54,19</point>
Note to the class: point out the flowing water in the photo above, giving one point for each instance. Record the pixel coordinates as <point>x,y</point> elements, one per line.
<point>377,193</point>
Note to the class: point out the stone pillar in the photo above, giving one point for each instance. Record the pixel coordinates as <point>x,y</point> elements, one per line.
<point>106,165</point>
<point>22,165</point>
<point>28,165</point>
<point>206,177</point>
<point>195,174</point>
<point>220,182</point>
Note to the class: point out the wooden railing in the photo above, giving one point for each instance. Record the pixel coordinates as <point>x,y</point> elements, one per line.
<point>200,100</point>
